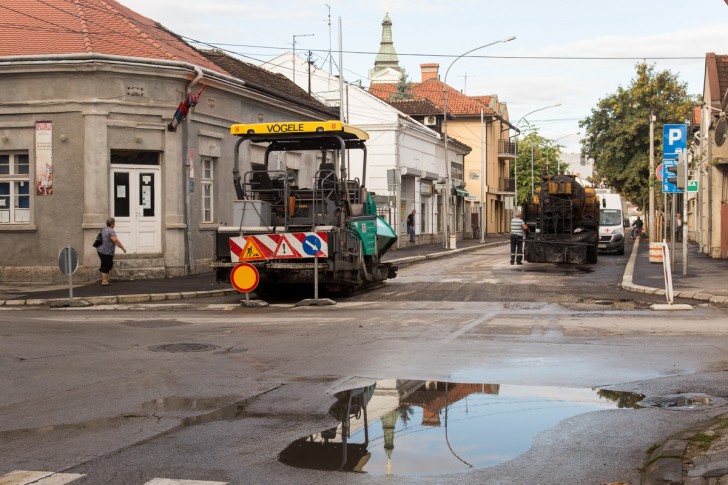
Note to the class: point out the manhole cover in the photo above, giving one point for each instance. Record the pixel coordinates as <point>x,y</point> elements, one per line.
<point>184,347</point>
<point>683,402</point>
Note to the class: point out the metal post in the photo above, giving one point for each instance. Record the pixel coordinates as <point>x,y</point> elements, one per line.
<point>515,180</point>
<point>70,272</point>
<point>483,175</point>
<point>531,171</point>
<point>673,204</point>
<point>315,277</point>
<point>684,227</point>
<point>651,222</point>
<point>341,74</point>
<point>294,53</point>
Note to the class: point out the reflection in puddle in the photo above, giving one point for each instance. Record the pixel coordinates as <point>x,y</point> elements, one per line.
<point>405,427</point>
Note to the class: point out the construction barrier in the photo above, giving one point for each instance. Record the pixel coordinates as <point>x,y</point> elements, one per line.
<point>656,252</point>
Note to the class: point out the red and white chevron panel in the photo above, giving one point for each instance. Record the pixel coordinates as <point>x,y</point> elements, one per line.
<point>293,245</point>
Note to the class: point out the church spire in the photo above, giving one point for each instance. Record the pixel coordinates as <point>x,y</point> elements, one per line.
<point>387,56</point>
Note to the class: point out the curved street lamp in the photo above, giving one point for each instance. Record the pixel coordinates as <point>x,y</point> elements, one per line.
<point>515,171</point>
<point>446,196</point>
<point>553,143</point>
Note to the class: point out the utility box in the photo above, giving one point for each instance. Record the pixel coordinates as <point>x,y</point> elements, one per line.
<point>251,213</point>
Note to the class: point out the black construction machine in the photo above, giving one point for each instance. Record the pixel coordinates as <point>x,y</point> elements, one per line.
<point>563,222</point>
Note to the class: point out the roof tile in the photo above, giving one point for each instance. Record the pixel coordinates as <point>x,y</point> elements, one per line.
<point>432,90</point>
<point>51,27</point>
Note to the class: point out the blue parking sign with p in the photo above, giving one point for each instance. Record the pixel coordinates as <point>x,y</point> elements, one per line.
<point>674,140</point>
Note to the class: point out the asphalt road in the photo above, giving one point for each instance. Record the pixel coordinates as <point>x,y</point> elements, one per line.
<point>208,390</point>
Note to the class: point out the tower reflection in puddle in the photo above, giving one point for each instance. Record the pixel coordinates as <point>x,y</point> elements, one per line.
<point>412,427</point>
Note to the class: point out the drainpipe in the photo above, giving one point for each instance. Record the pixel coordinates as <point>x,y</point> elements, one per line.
<point>188,177</point>
<point>709,251</point>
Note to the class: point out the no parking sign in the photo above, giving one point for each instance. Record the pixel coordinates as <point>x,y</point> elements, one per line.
<point>244,277</point>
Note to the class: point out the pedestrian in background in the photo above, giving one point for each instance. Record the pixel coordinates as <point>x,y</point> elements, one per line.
<point>109,242</point>
<point>518,231</point>
<point>637,227</point>
<point>411,226</point>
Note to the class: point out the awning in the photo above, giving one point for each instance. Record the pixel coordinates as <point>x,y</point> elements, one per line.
<point>460,192</point>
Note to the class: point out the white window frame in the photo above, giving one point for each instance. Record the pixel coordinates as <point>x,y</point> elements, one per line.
<point>207,190</point>
<point>10,210</point>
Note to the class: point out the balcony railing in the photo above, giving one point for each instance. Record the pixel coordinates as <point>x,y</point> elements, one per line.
<point>506,148</point>
<point>506,185</point>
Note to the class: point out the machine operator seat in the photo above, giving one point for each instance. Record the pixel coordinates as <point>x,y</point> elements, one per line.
<point>262,185</point>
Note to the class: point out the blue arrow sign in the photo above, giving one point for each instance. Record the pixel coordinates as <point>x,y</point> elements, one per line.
<point>311,245</point>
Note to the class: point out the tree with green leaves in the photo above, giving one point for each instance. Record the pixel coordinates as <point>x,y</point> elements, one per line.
<point>546,154</point>
<point>403,89</point>
<point>618,130</point>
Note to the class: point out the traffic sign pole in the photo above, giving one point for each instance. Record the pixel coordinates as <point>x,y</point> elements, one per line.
<point>674,152</point>
<point>70,273</point>
<point>68,264</point>
<point>684,228</point>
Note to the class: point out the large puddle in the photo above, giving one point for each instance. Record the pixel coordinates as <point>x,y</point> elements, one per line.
<point>405,427</point>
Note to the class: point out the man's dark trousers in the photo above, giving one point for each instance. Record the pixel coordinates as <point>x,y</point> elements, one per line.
<point>516,248</point>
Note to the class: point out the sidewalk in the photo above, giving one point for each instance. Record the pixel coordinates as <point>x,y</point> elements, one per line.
<point>706,279</point>
<point>184,287</point>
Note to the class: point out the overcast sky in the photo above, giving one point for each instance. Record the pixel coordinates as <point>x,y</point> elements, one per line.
<point>552,60</point>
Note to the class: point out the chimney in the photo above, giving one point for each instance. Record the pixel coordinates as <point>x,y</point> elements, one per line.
<point>429,71</point>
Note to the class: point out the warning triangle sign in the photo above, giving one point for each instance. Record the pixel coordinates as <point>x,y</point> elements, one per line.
<point>285,250</point>
<point>251,251</point>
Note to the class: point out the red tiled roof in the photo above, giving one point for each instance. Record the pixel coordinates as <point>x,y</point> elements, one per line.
<point>48,27</point>
<point>255,75</point>
<point>432,90</point>
<point>416,107</point>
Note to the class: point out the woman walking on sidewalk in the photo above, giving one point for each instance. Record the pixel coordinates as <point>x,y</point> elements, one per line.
<point>109,242</point>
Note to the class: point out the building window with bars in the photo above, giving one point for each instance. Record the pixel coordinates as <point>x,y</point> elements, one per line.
<point>208,194</point>
<point>14,188</point>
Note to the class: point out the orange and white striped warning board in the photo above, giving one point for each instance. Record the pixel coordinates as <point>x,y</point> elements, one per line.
<point>294,245</point>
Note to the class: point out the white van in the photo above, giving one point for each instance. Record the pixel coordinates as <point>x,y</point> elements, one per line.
<point>612,223</point>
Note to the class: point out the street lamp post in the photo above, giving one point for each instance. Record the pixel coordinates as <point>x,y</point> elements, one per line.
<point>446,195</point>
<point>294,53</point>
<point>554,145</point>
<point>517,124</point>
<point>483,173</point>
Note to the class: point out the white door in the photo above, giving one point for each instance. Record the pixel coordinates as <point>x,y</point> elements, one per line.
<point>135,204</point>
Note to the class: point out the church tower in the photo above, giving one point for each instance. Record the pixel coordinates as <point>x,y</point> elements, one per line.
<point>386,66</point>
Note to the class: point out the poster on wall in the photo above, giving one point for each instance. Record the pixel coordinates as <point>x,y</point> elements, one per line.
<point>43,158</point>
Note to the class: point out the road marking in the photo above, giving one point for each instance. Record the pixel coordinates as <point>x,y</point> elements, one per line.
<point>470,325</point>
<point>25,477</point>
<point>169,481</point>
